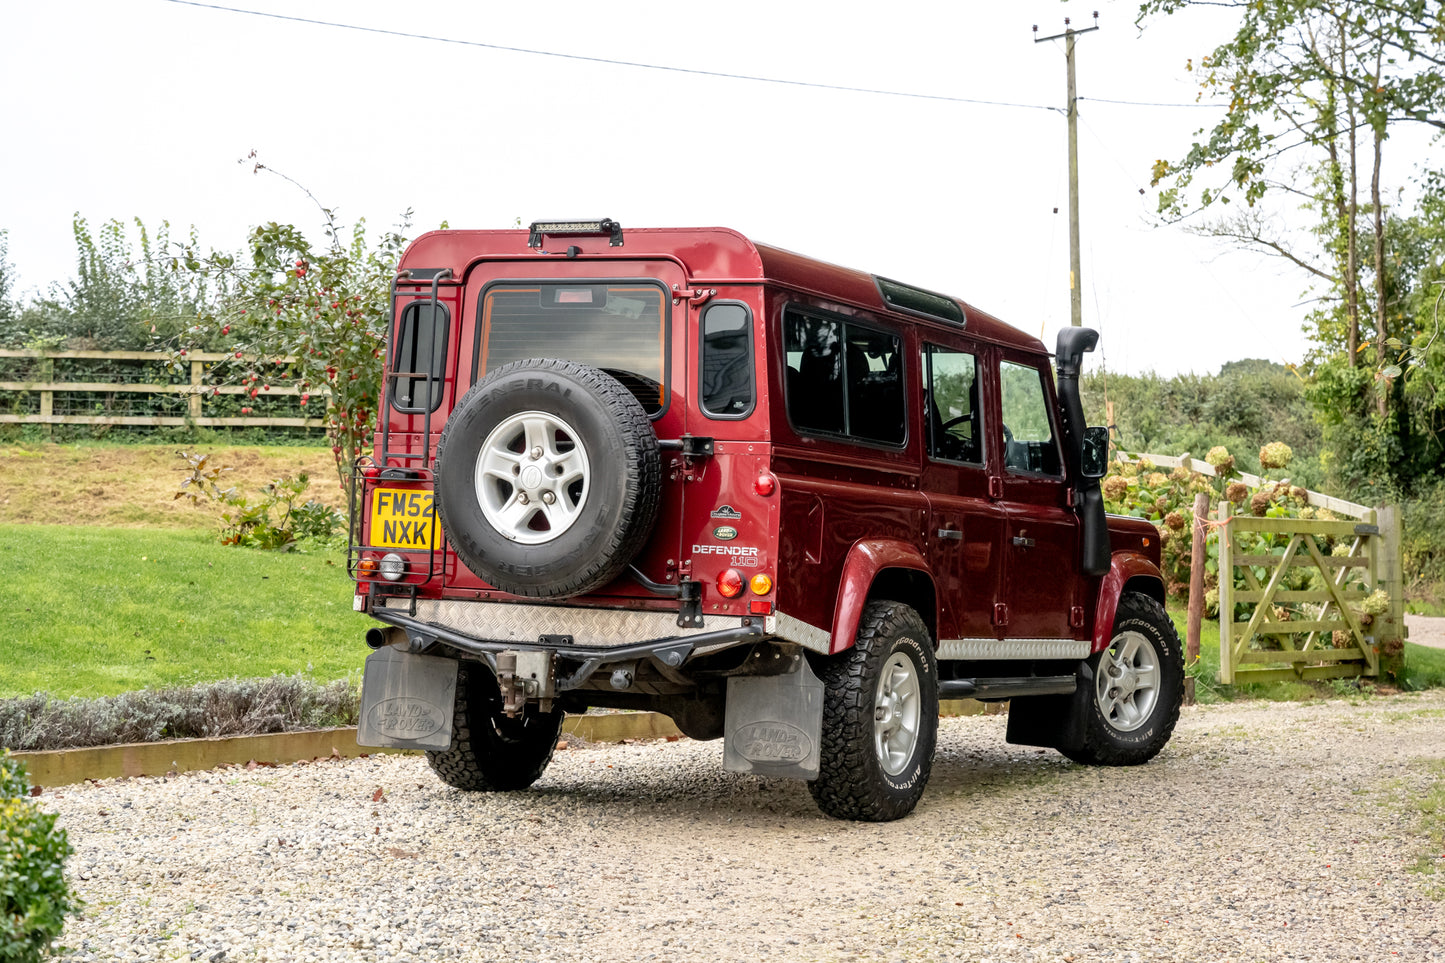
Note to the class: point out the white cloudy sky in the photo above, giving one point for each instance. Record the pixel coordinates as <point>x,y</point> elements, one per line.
<point>141,108</point>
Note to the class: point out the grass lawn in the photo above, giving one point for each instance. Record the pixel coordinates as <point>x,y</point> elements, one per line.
<point>98,611</point>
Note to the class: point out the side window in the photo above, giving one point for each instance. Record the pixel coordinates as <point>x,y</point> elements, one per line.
<point>844,379</point>
<point>725,378</point>
<point>421,351</point>
<point>953,413</point>
<point>1028,433</point>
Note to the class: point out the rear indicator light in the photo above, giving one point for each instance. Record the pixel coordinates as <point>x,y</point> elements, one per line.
<point>766,484</point>
<point>761,584</point>
<point>730,583</point>
<point>368,566</point>
<point>760,607</point>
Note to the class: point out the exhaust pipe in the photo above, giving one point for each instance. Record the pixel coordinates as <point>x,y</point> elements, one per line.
<point>1073,343</point>
<point>379,638</point>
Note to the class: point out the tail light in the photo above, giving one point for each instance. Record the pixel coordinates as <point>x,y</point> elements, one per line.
<point>730,583</point>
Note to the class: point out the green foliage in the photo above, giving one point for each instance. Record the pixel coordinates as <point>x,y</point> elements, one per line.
<point>273,520</point>
<point>1246,406</point>
<point>123,294</point>
<point>34,895</point>
<point>325,306</point>
<point>1424,536</point>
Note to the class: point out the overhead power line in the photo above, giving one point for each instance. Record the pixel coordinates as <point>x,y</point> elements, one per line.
<point>606,60</point>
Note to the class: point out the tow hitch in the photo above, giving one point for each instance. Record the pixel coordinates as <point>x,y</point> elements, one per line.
<point>523,676</point>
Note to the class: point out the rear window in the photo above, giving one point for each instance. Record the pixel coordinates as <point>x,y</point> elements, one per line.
<point>618,326</point>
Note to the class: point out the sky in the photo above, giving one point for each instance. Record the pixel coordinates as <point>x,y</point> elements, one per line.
<point>148,108</point>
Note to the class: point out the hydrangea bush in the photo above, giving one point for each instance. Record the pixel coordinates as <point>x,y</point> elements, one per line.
<point>1136,486</point>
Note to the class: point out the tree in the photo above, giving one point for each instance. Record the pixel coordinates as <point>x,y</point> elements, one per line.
<point>1313,90</point>
<point>323,306</point>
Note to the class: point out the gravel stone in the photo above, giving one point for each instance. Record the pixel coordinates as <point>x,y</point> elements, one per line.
<point>1263,831</point>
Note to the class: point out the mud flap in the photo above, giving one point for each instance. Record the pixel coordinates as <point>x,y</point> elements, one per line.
<point>774,724</point>
<point>407,701</point>
<point>1053,721</point>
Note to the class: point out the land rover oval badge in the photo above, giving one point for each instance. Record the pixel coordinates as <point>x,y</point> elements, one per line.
<point>773,742</point>
<point>406,718</point>
<point>725,533</point>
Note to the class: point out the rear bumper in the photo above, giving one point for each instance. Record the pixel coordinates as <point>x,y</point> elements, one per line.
<point>591,638</point>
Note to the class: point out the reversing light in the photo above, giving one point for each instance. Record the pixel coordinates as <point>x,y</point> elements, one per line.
<point>730,583</point>
<point>766,483</point>
<point>761,584</point>
<point>393,566</point>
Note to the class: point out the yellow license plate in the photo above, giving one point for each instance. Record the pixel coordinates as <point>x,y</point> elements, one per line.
<point>402,519</point>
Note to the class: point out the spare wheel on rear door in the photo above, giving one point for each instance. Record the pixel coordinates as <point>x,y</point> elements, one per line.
<point>547,478</point>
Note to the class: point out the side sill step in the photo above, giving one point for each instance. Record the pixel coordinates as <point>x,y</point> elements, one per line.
<point>1007,688</point>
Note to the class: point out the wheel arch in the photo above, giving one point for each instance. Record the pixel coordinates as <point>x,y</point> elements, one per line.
<point>1128,572</point>
<point>882,568</point>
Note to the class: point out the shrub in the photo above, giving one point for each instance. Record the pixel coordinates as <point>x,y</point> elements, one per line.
<point>233,707</point>
<point>34,896</point>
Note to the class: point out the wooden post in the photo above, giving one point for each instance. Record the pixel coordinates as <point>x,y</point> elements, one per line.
<point>1196,592</point>
<point>1226,596</point>
<point>1389,570</point>
<point>193,404</point>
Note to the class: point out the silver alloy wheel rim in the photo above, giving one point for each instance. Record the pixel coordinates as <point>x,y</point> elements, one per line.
<point>896,714</point>
<point>532,477</point>
<point>1126,686</point>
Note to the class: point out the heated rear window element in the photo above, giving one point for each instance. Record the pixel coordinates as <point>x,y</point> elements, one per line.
<point>726,379</point>
<point>619,326</point>
<point>844,379</point>
<point>421,351</point>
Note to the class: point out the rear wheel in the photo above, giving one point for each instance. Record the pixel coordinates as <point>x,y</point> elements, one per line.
<point>489,751</point>
<point>1137,688</point>
<point>880,718</point>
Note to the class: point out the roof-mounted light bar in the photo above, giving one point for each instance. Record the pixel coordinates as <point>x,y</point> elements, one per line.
<point>605,227</point>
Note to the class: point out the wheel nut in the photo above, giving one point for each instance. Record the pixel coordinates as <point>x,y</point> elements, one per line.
<point>548,497</point>
<point>536,452</point>
<point>522,497</point>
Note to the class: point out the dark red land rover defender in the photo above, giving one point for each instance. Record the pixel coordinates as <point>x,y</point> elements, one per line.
<point>788,504</point>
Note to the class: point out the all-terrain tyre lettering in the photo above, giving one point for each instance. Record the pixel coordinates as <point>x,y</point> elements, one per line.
<point>489,751</point>
<point>880,718</point>
<point>1136,690</point>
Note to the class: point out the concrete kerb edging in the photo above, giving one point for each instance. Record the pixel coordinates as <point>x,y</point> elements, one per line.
<point>63,767</point>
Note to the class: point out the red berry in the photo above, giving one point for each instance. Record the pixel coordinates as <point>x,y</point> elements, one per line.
<point>226,329</point>
<point>238,354</point>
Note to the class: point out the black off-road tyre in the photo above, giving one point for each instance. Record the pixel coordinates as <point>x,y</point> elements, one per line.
<point>1119,728</point>
<point>623,482</point>
<point>490,752</point>
<point>855,781</point>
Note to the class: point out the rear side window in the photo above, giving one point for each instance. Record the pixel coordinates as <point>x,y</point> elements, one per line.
<point>725,381</point>
<point>1028,432</point>
<point>618,326</point>
<point>955,415</point>
<point>421,351</point>
<point>844,379</point>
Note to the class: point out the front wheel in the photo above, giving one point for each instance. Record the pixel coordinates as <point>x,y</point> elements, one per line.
<point>1136,690</point>
<point>880,718</point>
<point>489,750</point>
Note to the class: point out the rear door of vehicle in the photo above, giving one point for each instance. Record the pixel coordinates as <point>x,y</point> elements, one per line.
<point>616,315</point>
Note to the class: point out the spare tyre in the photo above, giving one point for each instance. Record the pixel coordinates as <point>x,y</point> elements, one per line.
<point>547,478</point>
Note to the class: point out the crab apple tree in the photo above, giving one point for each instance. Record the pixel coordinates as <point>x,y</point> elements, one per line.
<point>308,317</point>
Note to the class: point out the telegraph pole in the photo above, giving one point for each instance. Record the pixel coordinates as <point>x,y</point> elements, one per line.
<point>1076,290</point>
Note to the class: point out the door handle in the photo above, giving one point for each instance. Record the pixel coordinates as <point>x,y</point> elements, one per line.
<point>1022,542</point>
<point>950,533</point>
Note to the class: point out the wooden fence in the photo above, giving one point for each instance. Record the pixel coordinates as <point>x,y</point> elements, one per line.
<point>1290,606</point>
<point>44,387</point>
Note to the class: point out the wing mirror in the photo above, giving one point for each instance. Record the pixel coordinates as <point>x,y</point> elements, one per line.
<point>1094,458</point>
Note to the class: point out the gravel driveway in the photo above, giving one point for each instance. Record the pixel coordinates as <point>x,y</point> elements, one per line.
<point>1263,832</point>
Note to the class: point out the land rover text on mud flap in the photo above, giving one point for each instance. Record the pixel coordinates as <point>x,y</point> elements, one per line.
<point>790,505</point>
